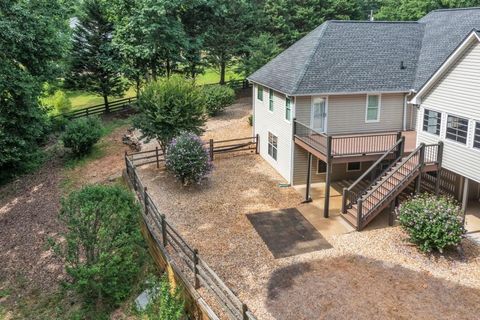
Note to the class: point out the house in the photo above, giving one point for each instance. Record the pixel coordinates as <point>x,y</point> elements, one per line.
<point>342,104</point>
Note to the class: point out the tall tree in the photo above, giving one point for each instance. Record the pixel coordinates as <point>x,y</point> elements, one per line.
<point>258,51</point>
<point>95,62</point>
<point>229,29</point>
<point>33,39</point>
<point>288,20</point>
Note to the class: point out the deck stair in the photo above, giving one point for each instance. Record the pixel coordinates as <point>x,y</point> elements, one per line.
<point>360,207</point>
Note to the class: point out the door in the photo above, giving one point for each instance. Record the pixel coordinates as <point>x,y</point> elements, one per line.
<point>319,113</point>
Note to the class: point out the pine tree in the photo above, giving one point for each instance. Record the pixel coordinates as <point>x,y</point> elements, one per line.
<point>95,63</point>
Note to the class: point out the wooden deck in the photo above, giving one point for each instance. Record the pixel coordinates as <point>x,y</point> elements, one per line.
<point>345,148</point>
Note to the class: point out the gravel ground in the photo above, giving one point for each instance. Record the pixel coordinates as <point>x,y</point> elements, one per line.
<point>374,274</point>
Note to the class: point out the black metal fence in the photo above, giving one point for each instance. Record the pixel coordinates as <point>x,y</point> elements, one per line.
<point>167,237</point>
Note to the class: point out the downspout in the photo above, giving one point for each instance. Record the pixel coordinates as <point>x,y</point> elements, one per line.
<point>405,105</point>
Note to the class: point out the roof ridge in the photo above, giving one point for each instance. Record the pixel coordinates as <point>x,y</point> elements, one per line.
<point>454,9</point>
<point>310,57</point>
<point>373,22</point>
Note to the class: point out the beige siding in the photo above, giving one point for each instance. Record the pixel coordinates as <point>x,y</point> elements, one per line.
<point>411,117</point>
<point>266,121</point>
<point>346,114</point>
<point>339,171</point>
<point>457,93</point>
<point>303,107</point>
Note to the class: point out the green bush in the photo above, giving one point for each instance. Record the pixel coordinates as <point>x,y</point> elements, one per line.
<point>166,302</point>
<point>188,159</point>
<point>168,107</point>
<point>250,120</point>
<point>103,247</point>
<point>80,135</point>
<point>217,98</point>
<point>432,223</point>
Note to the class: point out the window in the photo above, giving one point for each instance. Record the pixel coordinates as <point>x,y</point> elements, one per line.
<point>457,129</point>
<point>321,167</point>
<point>432,121</point>
<point>288,109</point>
<point>373,108</point>
<point>270,100</point>
<point>354,166</point>
<point>272,145</point>
<point>260,93</point>
<point>476,137</point>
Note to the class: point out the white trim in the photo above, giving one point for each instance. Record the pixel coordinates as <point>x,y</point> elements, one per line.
<point>325,110</point>
<point>379,107</point>
<point>439,135</point>
<point>360,169</point>
<point>285,109</point>
<point>444,67</point>
<point>271,91</point>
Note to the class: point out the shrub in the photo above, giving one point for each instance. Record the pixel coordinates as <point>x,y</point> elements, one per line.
<point>187,159</point>
<point>250,120</point>
<point>169,107</point>
<point>60,102</point>
<point>166,302</point>
<point>217,98</point>
<point>104,248</point>
<point>80,135</point>
<point>432,223</point>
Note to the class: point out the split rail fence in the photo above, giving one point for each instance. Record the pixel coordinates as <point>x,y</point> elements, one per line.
<point>126,104</point>
<point>167,237</point>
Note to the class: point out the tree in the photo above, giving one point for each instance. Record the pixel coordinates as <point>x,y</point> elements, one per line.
<point>33,40</point>
<point>168,107</point>
<point>150,38</point>
<point>95,64</point>
<point>103,247</point>
<point>288,21</point>
<point>259,50</point>
<point>228,30</point>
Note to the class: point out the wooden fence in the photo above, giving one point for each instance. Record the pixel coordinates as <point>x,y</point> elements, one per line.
<point>194,270</point>
<point>126,104</point>
<point>247,144</point>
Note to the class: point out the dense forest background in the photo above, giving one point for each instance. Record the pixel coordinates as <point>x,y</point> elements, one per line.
<point>107,46</point>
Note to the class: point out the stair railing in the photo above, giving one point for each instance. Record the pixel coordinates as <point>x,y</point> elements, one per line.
<point>377,196</point>
<point>350,197</point>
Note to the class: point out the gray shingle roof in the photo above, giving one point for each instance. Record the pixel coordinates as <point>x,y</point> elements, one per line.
<point>359,56</point>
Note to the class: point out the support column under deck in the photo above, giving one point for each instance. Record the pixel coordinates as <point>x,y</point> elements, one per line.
<point>464,197</point>
<point>308,198</point>
<point>328,177</point>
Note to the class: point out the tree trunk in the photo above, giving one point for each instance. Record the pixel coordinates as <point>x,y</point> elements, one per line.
<point>168,67</point>
<point>105,101</point>
<point>222,72</point>
<point>154,70</point>
<point>137,84</point>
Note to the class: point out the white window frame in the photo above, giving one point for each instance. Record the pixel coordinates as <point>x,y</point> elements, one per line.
<point>291,109</point>
<point>271,97</point>
<point>379,107</point>
<point>425,109</point>
<point>357,170</point>
<point>273,147</point>
<point>260,88</point>
<point>316,171</point>
<point>446,129</point>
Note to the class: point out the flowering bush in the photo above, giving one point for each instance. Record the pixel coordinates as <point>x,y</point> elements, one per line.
<point>432,223</point>
<point>217,98</point>
<point>188,159</point>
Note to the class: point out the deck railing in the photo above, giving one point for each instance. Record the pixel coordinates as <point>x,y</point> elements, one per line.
<point>345,144</point>
<point>375,171</point>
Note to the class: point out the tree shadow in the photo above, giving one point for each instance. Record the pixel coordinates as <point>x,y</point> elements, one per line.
<point>353,286</point>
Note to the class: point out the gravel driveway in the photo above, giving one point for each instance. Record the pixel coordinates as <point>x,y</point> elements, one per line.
<point>374,274</point>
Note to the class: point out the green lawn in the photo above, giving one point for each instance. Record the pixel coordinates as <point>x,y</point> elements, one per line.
<point>212,75</point>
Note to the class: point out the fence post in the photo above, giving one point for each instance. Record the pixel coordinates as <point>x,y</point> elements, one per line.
<point>126,164</point>
<point>211,149</point>
<point>195,268</point>
<point>439,168</point>
<point>145,199</point>
<point>257,143</point>
<point>86,111</point>
<point>359,214</point>
<point>164,230</point>
<point>244,311</point>
<point>156,153</point>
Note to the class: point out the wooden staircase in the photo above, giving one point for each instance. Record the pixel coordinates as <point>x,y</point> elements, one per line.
<point>359,208</point>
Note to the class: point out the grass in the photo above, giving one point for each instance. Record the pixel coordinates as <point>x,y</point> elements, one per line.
<point>82,99</point>
<point>212,75</point>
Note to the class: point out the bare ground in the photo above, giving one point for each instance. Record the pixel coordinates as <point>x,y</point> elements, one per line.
<point>30,273</point>
<point>374,274</point>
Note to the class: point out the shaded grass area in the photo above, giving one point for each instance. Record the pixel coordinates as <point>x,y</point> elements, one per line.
<point>82,99</point>
<point>212,75</point>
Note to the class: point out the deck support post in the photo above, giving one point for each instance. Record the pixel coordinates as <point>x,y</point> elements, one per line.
<point>439,168</point>
<point>421,162</point>
<point>328,177</point>
<point>308,198</point>
<point>391,214</point>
